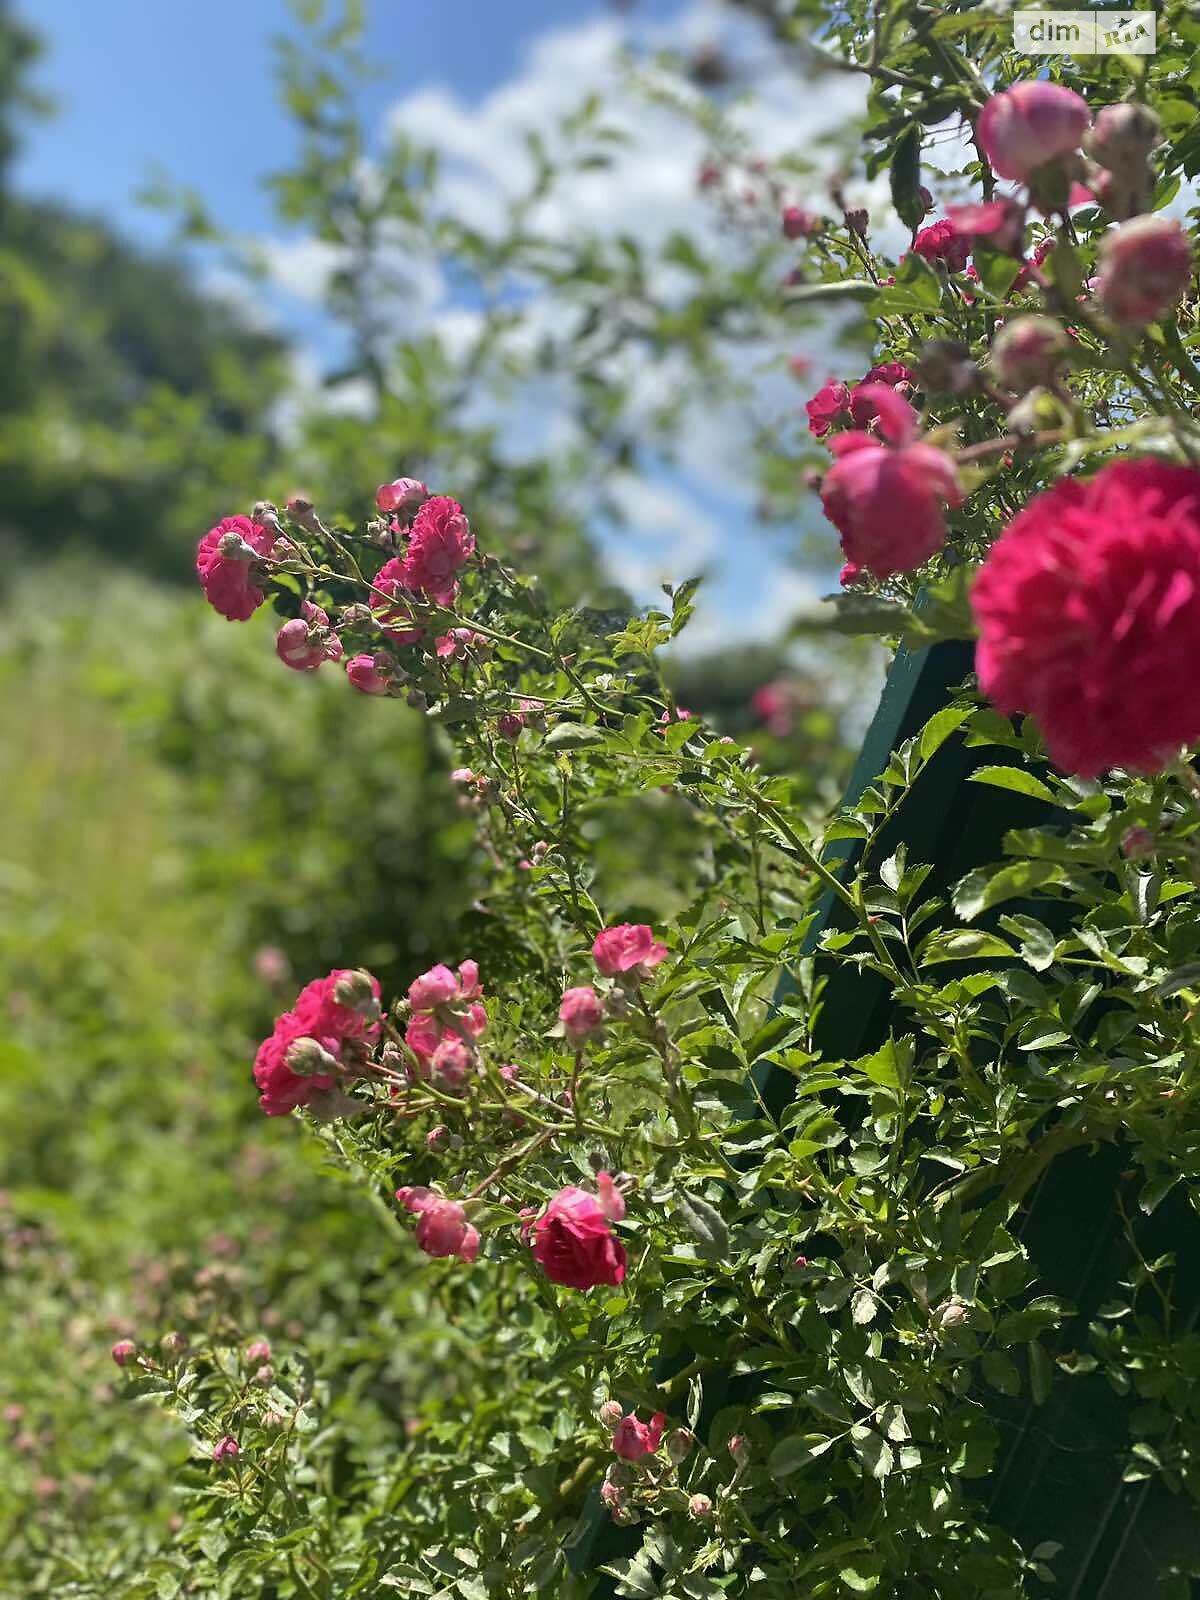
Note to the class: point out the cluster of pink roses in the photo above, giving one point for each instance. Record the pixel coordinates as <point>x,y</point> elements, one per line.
<point>843,405</point>
<point>1035,132</point>
<point>231,565</point>
<point>447,1018</point>
<point>627,952</point>
<point>316,1039</point>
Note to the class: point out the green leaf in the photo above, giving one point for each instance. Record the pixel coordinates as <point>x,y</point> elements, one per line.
<point>1040,1373</point>
<point>706,1226</point>
<point>634,1577</point>
<point>989,886</point>
<point>796,1451</point>
<point>838,289</point>
<point>1014,778</point>
<point>572,736</point>
<point>874,1451</point>
<point>939,728</point>
<point>1037,942</point>
<point>963,944</point>
<point>906,177</point>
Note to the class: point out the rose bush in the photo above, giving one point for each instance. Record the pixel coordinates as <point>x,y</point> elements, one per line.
<point>658,1174</point>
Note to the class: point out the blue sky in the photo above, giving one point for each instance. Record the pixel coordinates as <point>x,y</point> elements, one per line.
<point>188,88</point>
<point>187,85</point>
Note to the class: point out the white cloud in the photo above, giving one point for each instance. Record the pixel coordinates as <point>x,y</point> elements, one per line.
<point>648,192</point>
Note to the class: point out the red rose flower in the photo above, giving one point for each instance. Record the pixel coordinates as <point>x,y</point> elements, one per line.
<point>828,408</point>
<point>1088,608</point>
<point>574,1244</point>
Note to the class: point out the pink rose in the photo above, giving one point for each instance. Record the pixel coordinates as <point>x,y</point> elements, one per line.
<point>226,1448</point>
<point>319,1019</point>
<point>229,581</point>
<point>441,543</point>
<point>581,1012</point>
<point>942,241</point>
<point>304,642</point>
<point>367,674</point>
<point>392,601</point>
<point>437,987</point>
<point>797,223</point>
<point>886,499</point>
<point>123,1352</point>
<point>399,494</point>
<point>1145,266</point>
<point>451,1064</point>
<point>633,1439</point>
<point>612,1201</point>
<point>1031,125</point>
<point>999,223</point>
<point>1088,607</point>
<point>627,947</point>
<point>573,1243</point>
<point>442,1228</point>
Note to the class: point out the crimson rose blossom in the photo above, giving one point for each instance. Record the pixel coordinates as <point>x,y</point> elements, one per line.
<point>828,408</point>
<point>942,241</point>
<point>633,1439</point>
<point>573,1243</point>
<point>316,1015</point>
<point>228,581</point>
<point>886,499</point>
<point>1088,608</point>
<point>443,1229</point>
<point>627,947</point>
<point>1030,125</point>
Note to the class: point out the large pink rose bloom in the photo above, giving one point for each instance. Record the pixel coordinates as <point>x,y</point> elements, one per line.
<point>627,947</point>
<point>1088,608</point>
<point>318,1016</point>
<point>440,544</point>
<point>1144,267</point>
<point>1030,125</point>
<point>228,581</point>
<point>573,1243</point>
<point>886,496</point>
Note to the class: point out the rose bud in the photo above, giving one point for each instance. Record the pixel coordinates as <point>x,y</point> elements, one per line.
<point>700,1507</point>
<point>1029,351</point>
<point>1029,126</point>
<point>1144,267</point>
<point>679,1444</point>
<point>1122,137</point>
